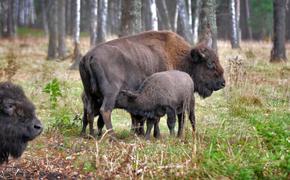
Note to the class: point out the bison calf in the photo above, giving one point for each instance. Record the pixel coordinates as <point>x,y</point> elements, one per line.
<point>168,92</point>
<point>18,123</point>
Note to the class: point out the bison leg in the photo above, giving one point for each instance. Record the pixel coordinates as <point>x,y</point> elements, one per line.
<point>91,123</point>
<point>141,131</point>
<point>150,123</point>
<point>101,125</point>
<point>180,124</point>
<point>156,129</point>
<point>191,114</point>
<point>171,120</point>
<point>85,123</point>
<point>106,112</point>
<point>137,126</point>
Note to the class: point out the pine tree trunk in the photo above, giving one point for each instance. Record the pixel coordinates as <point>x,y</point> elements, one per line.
<point>288,21</point>
<point>183,27</point>
<point>44,16</point>
<point>61,29</point>
<point>102,20</point>
<point>52,26</point>
<point>76,35</point>
<point>150,15</point>
<point>131,17</point>
<point>196,21</point>
<point>163,13</point>
<point>278,52</point>
<point>235,25</point>
<point>93,22</point>
<point>68,17</point>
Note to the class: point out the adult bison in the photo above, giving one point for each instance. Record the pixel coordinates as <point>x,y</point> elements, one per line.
<point>125,62</point>
<point>18,123</point>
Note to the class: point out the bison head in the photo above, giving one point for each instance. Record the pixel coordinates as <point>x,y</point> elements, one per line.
<point>207,73</point>
<point>18,123</point>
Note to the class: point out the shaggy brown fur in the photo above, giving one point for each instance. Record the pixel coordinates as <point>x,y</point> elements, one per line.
<point>18,123</point>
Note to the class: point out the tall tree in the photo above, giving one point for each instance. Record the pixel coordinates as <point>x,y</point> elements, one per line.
<point>76,34</point>
<point>131,17</point>
<point>43,4</point>
<point>68,17</point>
<point>163,14</point>
<point>278,52</point>
<point>52,27</point>
<point>196,20</point>
<point>8,17</point>
<point>234,6</point>
<point>183,27</point>
<point>61,28</point>
<point>102,20</point>
<point>208,27</point>
<point>245,20</point>
<point>93,22</point>
<point>288,20</point>
<point>149,14</point>
<point>114,16</point>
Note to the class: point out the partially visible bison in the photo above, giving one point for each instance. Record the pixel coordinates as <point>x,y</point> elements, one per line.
<point>124,63</point>
<point>168,92</point>
<point>18,123</point>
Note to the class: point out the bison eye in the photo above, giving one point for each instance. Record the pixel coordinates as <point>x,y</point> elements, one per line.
<point>210,65</point>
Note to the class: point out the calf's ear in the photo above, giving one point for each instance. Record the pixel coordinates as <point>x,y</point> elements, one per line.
<point>130,94</point>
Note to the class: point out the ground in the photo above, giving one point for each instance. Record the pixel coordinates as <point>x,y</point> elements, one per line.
<point>242,130</point>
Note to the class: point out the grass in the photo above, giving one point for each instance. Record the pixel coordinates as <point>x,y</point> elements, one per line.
<point>242,131</point>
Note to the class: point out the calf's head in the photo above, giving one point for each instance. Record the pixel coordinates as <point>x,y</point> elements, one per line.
<point>206,71</point>
<point>18,123</point>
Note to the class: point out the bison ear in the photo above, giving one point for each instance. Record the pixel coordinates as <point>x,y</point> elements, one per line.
<point>130,94</point>
<point>198,54</point>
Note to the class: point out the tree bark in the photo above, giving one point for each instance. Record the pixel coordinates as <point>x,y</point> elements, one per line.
<point>131,17</point>
<point>93,22</point>
<point>52,26</point>
<point>278,52</point>
<point>183,28</point>
<point>76,35</point>
<point>43,5</point>
<point>102,20</point>
<point>288,20</point>
<point>114,16</point>
<point>196,21</point>
<point>68,17</point>
<point>208,27</point>
<point>163,14</point>
<point>149,11</point>
<point>235,41</point>
<point>61,29</point>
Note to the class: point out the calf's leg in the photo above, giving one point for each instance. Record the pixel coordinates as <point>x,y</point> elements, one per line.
<point>171,120</point>
<point>150,123</point>
<point>180,124</point>
<point>156,128</point>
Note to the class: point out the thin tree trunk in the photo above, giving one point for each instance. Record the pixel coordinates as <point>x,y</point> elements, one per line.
<point>235,25</point>
<point>61,29</point>
<point>68,17</point>
<point>150,15</point>
<point>131,17</point>
<point>12,18</point>
<point>278,52</point>
<point>163,13</point>
<point>248,27</point>
<point>288,20</point>
<point>76,35</point>
<point>93,23</point>
<point>44,16</point>
<point>196,21</point>
<point>52,26</point>
<point>102,20</point>
<point>183,28</point>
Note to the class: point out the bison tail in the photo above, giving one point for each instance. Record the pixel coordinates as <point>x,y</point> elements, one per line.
<point>87,76</point>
